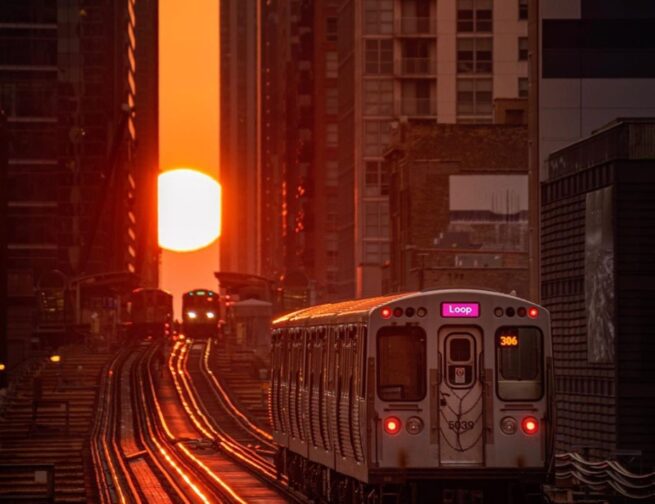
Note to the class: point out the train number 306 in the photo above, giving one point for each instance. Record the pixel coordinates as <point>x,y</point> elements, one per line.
<point>461,426</point>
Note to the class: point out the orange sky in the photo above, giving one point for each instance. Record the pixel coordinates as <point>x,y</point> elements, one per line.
<point>188,120</point>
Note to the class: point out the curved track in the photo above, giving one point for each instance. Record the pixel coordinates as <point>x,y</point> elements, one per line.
<point>217,417</point>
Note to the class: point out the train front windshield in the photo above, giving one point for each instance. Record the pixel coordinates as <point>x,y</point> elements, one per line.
<point>200,313</point>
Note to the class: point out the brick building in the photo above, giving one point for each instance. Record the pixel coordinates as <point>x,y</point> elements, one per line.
<point>458,207</point>
<point>597,275</point>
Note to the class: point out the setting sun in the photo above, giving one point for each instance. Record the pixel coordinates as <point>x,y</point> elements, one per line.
<point>188,210</point>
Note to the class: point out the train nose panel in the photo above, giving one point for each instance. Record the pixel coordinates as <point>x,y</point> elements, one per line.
<point>460,406</point>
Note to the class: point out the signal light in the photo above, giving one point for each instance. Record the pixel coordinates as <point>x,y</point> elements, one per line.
<point>398,312</point>
<point>521,312</point>
<point>210,315</point>
<point>530,425</point>
<point>386,313</point>
<point>55,358</point>
<point>533,312</point>
<point>422,312</point>
<point>392,425</point>
<point>192,314</point>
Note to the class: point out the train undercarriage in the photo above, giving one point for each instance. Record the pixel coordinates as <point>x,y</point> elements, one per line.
<point>324,485</point>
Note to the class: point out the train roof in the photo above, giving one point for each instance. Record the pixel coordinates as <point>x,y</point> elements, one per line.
<point>354,309</point>
<point>151,289</point>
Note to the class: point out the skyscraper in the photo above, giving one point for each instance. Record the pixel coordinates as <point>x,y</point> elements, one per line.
<point>239,149</point>
<point>69,87</point>
<point>412,61</point>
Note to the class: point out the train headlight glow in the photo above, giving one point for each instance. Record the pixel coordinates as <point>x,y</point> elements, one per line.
<point>530,425</point>
<point>392,425</point>
<point>414,425</point>
<point>210,315</point>
<point>386,313</point>
<point>191,314</point>
<point>508,425</point>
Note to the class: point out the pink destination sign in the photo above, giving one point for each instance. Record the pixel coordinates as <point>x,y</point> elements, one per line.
<point>460,310</point>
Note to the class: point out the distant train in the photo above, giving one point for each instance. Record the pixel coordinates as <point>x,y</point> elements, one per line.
<point>435,396</point>
<point>201,313</point>
<point>150,313</point>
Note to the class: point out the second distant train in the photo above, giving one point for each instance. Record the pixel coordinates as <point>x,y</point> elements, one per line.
<point>201,313</point>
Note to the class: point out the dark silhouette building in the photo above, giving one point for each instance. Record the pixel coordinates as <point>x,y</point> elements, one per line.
<point>80,192</point>
<point>597,275</point>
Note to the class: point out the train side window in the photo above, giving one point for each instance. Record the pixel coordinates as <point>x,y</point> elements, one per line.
<point>519,356</point>
<point>401,363</point>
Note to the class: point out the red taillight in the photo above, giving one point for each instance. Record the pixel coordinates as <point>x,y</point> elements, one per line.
<point>533,312</point>
<point>530,425</point>
<point>386,312</point>
<point>392,425</point>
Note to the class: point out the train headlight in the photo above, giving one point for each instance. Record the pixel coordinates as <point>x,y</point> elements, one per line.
<point>210,315</point>
<point>508,425</point>
<point>392,425</point>
<point>192,314</point>
<point>414,425</point>
<point>530,425</point>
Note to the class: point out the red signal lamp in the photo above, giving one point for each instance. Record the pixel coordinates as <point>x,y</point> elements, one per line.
<point>392,425</point>
<point>386,313</point>
<point>533,312</point>
<point>530,425</point>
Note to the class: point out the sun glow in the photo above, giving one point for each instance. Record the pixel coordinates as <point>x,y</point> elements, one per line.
<point>189,210</point>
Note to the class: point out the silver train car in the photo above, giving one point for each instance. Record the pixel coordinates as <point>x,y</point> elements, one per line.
<point>434,396</point>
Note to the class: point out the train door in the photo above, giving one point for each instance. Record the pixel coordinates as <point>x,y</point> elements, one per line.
<point>460,403</point>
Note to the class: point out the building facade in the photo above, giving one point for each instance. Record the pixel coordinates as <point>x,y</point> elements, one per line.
<point>597,270</point>
<point>592,64</point>
<point>408,61</point>
<point>69,89</point>
<point>239,173</point>
<point>459,207</point>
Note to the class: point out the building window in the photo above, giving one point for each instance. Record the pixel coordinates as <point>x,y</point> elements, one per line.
<point>523,9</point>
<point>376,219</point>
<point>379,56</point>
<point>331,101</point>
<point>416,98</point>
<point>376,137</point>
<point>331,173</point>
<point>331,135</point>
<point>376,179</point>
<point>331,29</point>
<point>475,55</point>
<point>416,56</point>
<point>331,65</point>
<point>474,96</point>
<point>378,16</point>
<point>378,97</point>
<point>474,16</point>
<point>523,87</point>
<point>376,252</point>
<point>523,48</point>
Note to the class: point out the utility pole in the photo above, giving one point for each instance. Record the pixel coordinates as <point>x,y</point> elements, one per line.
<point>4,167</point>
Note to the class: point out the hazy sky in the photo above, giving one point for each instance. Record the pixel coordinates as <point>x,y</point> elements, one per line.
<point>189,121</point>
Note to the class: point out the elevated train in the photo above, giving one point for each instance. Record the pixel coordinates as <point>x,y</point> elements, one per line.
<point>201,313</point>
<point>435,396</point>
<point>150,313</point>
